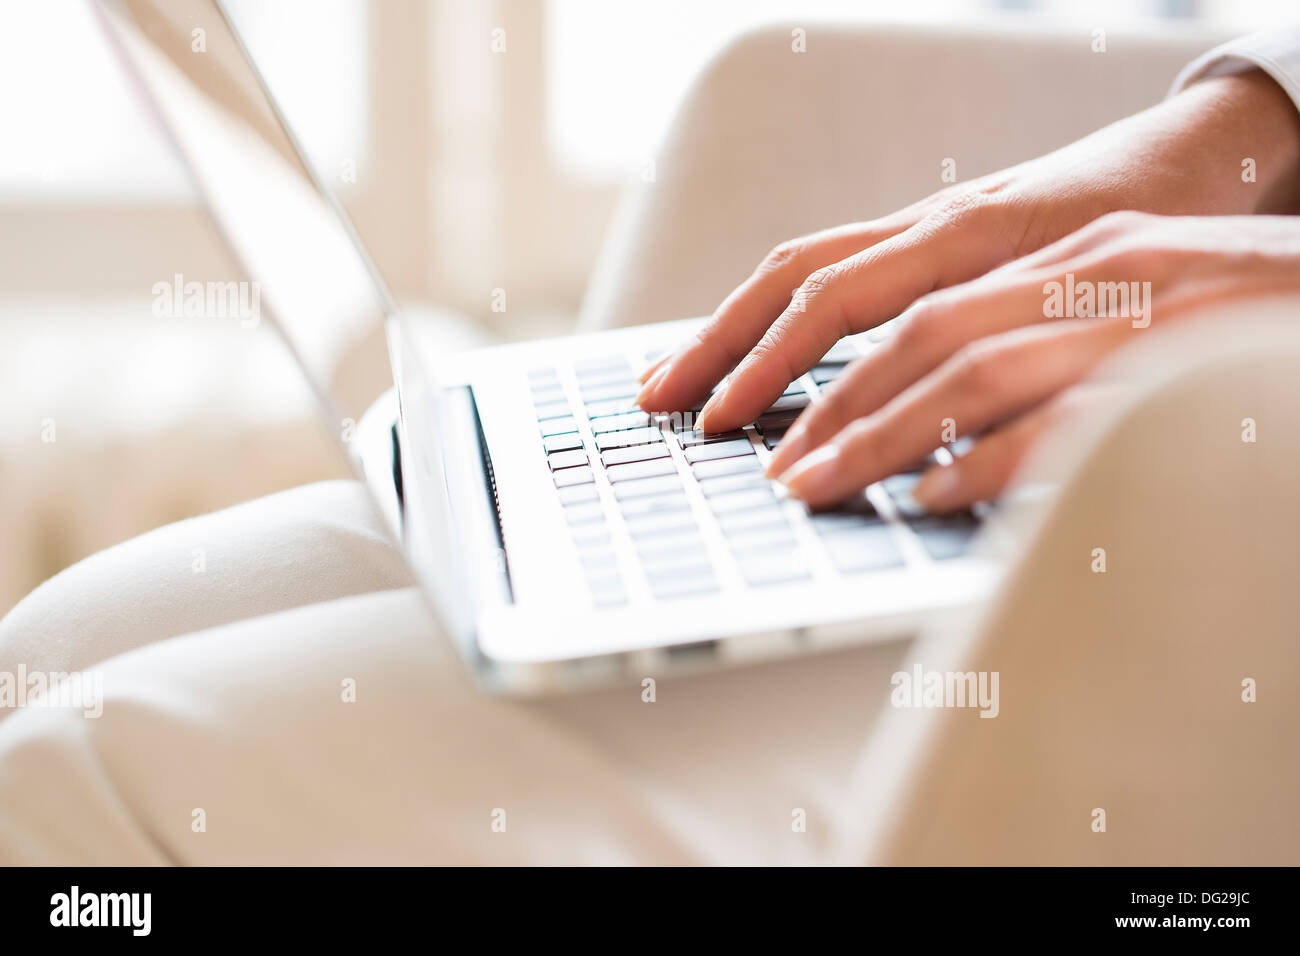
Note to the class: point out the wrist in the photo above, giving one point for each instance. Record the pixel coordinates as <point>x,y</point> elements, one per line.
<point>1244,132</point>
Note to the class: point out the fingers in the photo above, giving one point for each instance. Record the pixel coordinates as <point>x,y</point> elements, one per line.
<point>982,385</point>
<point>654,367</point>
<point>938,326</point>
<point>983,473</point>
<point>861,292</point>
<point>684,378</point>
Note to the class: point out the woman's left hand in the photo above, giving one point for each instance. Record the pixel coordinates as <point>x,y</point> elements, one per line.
<point>994,356</point>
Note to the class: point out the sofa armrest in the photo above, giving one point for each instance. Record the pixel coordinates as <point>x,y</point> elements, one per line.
<point>771,144</point>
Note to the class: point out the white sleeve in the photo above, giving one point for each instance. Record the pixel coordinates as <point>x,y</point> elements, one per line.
<point>1276,52</point>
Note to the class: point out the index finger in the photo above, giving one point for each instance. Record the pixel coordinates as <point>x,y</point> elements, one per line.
<point>746,313</point>
<point>857,294</point>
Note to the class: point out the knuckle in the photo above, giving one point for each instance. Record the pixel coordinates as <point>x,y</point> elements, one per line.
<point>819,281</point>
<point>814,292</point>
<point>978,369</point>
<point>965,210</point>
<point>766,348</point>
<point>712,335</point>
<point>1125,258</point>
<point>923,327</point>
<point>782,255</point>
<point>859,437</point>
<point>1115,224</point>
<point>1124,219</point>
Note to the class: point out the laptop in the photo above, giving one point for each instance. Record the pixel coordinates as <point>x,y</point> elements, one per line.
<point>562,535</point>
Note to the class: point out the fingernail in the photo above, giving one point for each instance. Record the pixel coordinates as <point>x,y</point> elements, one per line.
<point>710,407</point>
<point>649,388</point>
<point>653,367</point>
<point>815,475</point>
<point>792,447</point>
<point>938,488</point>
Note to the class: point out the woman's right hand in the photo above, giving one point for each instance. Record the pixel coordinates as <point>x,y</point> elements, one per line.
<point>1183,156</point>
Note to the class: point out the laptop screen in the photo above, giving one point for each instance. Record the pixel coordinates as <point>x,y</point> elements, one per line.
<point>299,265</point>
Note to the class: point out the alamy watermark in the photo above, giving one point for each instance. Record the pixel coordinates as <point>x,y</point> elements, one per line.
<point>78,690</point>
<point>131,911</point>
<point>179,299</point>
<point>919,688</point>
<point>1093,300</point>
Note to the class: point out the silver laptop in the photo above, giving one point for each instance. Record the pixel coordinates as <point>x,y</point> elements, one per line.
<point>561,535</point>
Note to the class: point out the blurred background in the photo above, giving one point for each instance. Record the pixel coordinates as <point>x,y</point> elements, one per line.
<point>478,145</point>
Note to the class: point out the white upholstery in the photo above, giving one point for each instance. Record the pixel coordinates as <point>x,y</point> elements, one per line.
<point>772,144</point>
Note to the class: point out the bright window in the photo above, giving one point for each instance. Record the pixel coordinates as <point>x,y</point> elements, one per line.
<point>74,132</point>
<point>616,71</point>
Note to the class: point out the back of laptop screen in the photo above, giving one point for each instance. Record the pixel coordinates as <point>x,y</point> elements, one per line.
<point>298,264</point>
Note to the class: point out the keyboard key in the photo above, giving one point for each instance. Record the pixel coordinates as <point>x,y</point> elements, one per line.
<point>583,514</point>
<point>621,456</point>
<point>773,437</point>
<point>599,377</point>
<point>631,436</point>
<point>654,505</point>
<point>618,423</point>
<point>900,491</point>
<point>589,536</point>
<point>607,588</point>
<point>726,484</point>
<point>724,449</point>
<point>852,514</point>
<point>559,426</point>
<point>682,563</point>
<point>647,486</point>
<point>660,524</point>
<point>841,353</point>
<point>696,437</point>
<point>884,330</point>
<point>545,374</point>
<point>578,494</point>
<point>962,446</point>
<point>789,403</point>
<point>550,410</point>
<point>613,406</point>
<point>562,442</point>
<point>833,522</point>
<point>727,466</point>
<point>597,559</point>
<point>736,523</point>
<point>665,584</point>
<point>946,537</point>
<point>548,392</point>
<point>676,548</point>
<point>775,421</point>
<point>641,469</point>
<point>764,538</point>
<point>774,567</point>
<point>573,476</point>
<point>600,363</point>
<point>742,501</point>
<point>602,393</point>
<point>566,459</point>
<point>825,374</point>
<point>869,548</point>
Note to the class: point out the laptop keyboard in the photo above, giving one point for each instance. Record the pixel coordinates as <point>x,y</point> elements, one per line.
<point>662,481</point>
